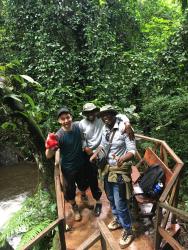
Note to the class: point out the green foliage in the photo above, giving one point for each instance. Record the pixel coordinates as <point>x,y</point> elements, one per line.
<point>37,213</point>
<point>121,52</point>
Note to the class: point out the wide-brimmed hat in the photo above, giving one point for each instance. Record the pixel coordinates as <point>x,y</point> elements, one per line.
<point>63,110</point>
<point>88,107</point>
<point>108,109</point>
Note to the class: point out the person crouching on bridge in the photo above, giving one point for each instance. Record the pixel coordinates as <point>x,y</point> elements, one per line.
<point>68,140</point>
<point>119,150</point>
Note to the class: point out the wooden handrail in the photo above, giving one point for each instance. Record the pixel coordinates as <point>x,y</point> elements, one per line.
<point>104,234</point>
<point>60,221</point>
<point>160,231</point>
<point>41,234</point>
<point>179,213</point>
<point>165,145</point>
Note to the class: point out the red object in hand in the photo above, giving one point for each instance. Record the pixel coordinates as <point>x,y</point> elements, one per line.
<point>51,141</point>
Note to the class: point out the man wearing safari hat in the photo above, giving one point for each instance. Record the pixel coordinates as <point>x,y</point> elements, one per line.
<point>120,150</point>
<point>91,128</point>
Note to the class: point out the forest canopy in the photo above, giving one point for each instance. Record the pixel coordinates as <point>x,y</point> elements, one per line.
<point>133,54</point>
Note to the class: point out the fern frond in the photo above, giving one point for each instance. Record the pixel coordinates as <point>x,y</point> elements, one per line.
<point>31,234</point>
<point>36,212</point>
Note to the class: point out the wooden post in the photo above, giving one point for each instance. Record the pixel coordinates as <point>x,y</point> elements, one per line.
<point>61,228</point>
<point>103,243</point>
<point>60,205</point>
<point>155,147</point>
<point>157,236</point>
<point>170,202</point>
<point>175,202</point>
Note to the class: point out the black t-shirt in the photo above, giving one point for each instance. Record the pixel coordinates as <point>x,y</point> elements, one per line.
<point>71,153</point>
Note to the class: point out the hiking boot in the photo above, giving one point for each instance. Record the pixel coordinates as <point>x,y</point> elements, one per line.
<point>126,238</point>
<point>84,199</point>
<point>114,224</point>
<point>77,215</point>
<point>97,210</point>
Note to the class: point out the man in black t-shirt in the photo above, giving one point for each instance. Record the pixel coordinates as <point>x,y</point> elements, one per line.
<point>72,158</point>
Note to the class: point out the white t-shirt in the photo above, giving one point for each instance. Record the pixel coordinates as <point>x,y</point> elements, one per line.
<point>92,131</point>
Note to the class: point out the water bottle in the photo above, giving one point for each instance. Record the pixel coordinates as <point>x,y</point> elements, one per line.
<point>158,187</point>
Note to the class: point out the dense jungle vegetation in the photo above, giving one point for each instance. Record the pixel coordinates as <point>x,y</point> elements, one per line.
<point>130,53</point>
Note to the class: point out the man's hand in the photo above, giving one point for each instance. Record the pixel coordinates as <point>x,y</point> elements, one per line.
<point>88,151</point>
<point>119,159</point>
<point>51,142</point>
<point>129,131</point>
<point>93,157</point>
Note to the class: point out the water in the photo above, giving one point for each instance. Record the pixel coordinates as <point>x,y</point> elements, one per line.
<point>16,180</point>
<point>16,183</point>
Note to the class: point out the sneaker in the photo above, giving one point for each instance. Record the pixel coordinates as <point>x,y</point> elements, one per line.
<point>77,215</point>
<point>126,239</point>
<point>114,224</point>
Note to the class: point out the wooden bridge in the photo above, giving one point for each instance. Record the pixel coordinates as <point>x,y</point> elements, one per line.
<point>92,232</point>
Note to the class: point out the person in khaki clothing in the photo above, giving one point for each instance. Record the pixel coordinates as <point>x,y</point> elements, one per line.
<point>91,128</point>
<point>120,150</point>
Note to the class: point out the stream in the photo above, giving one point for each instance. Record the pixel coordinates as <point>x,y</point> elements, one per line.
<point>16,183</point>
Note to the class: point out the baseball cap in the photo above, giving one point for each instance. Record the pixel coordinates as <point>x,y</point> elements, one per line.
<point>63,110</point>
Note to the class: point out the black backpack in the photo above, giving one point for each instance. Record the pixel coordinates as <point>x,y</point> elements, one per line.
<point>152,176</point>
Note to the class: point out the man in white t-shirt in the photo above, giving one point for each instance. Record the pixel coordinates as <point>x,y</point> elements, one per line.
<point>91,128</point>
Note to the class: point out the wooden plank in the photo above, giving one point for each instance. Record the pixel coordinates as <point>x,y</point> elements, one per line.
<point>170,183</point>
<point>41,235</point>
<point>108,237</point>
<point>180,214</point>
<point>167,237</point>
<point>173,231</point>
<point>90,241</point>
<point>151,158</point>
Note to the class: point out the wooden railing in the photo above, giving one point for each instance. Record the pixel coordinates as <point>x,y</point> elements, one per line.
<point>169,196</point>
<point>160,230</point>
<point>60,221</point>
<point>164,152</point>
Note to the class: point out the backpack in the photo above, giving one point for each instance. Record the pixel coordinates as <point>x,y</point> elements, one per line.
<point>151,177</point>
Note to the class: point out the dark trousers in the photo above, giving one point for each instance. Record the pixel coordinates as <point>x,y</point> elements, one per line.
<point>71,180</point>
<point>92,175</point>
